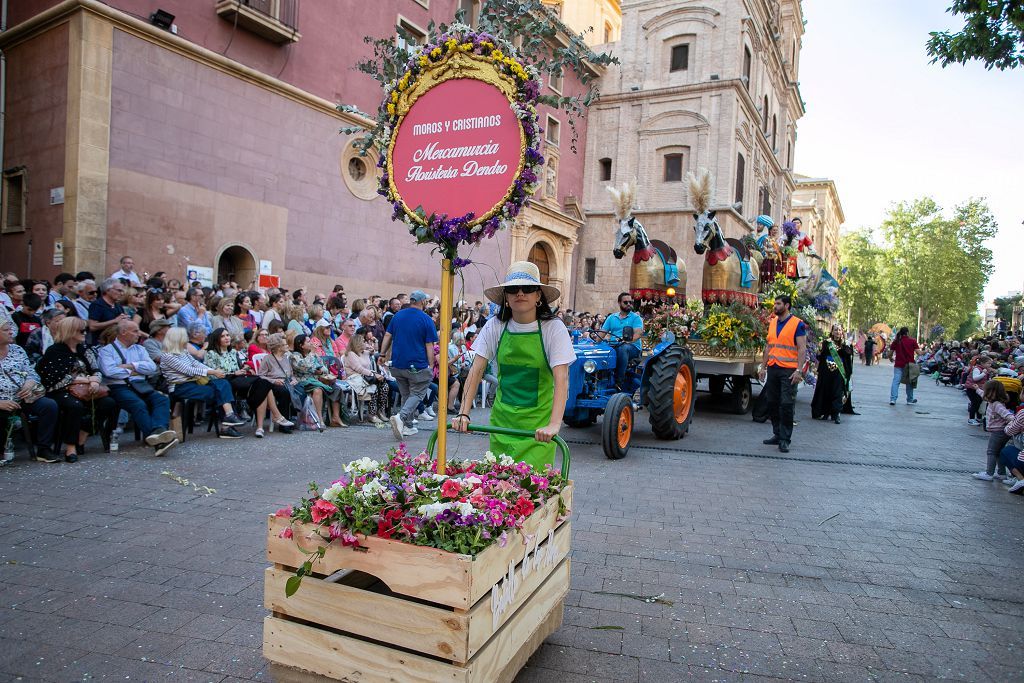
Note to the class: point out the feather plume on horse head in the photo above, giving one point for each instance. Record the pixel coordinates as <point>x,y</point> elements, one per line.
<point>700,189</point>
<point>622,200</point>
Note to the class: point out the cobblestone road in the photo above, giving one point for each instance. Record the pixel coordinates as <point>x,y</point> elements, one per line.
<point>866,553</point>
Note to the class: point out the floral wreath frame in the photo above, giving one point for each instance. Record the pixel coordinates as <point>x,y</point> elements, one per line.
<point>463,53</point>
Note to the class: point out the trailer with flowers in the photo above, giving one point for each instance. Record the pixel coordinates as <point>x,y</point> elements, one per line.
<point>397,573</point>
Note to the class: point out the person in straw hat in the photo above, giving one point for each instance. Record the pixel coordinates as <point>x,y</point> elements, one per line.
<point>533,352</point>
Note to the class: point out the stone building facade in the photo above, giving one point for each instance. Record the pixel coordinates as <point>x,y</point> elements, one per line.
<point>210,139</point>
<point>712,85</point>
<point>816,203</point>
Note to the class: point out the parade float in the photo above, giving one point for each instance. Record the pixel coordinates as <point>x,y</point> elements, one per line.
<point>415,568</point>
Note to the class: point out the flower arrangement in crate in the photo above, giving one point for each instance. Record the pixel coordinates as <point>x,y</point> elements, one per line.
<point>736,327</point>
<point>475,505</point>
<point>678,320</point>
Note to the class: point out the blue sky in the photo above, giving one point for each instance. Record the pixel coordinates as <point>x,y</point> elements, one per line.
<point>888,126</point>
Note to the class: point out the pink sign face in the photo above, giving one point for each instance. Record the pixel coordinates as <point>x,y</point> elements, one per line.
<point>459,149</point>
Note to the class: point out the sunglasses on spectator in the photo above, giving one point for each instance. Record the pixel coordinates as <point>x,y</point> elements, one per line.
<point>89,292</point>
<point>525,289</point>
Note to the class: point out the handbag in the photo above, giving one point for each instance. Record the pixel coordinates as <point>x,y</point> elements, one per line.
<point>85,392</point>
<point>360,386</point>
<point>141,387</point>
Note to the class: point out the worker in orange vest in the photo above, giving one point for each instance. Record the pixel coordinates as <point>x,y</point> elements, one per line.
<point>781,370</point>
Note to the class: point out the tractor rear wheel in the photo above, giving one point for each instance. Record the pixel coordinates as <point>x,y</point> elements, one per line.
<point>617,427</point>
<point>670,393</point>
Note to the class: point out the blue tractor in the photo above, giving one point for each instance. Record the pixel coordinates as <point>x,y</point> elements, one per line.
<point>661,381</point>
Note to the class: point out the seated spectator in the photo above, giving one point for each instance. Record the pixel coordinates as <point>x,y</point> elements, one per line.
<point>194,311</point>
<point>127,369</point>
<point>152,309</point>
<point>154,345</point>
<point>15,295</point>
<point>340,345</point>
<point>27,317</point>
<point>276,367</point>
<point>257,346</point>
<point>63,288</point>
<point>295,315</point>
<point>42,339</point>
<point>41,288</point>
<point>367,380</point>
<point>316,313</point>
<point>221,355</point>
<point>188,378</point>
<point>21,391</point>
<point>72,381</point>
<point>1010,455</point>
<point>275,304</point>
<point>316,379</point>
<point>275,327</point>
<point>242,319</point>
<point>369,319</point>
<point>224,313</point>
<point>127,272</point>
<point>87,292</point>
<point>197,339</point>
<point>106,311</point>
<point>133,303</point>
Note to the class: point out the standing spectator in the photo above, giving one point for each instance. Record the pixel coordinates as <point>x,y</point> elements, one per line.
<point>394,306</point>
<point>242,319</point>
<point>154,345</point>
<point>188,378</point>
<point>22,391</point>
<point>63,365</point>
<point>410,340</point>
<point>106,311</point>
<point>152,310</point>
<point>126,368</point>
<point>127,272</point>
<point>42,339</point>
<point>27,317</point>
<point>63,288</point>
<point>275,304</point>
<point>977,374</point>
<point>904,354</point>
<point>997,418</point>
<point>869,349</point>
<point>194,311</point>
<point>785,356</point>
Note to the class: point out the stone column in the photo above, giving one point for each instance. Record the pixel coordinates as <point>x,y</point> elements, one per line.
<point>87,157</point>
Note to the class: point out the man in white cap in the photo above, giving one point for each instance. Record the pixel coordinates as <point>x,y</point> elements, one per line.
<point>410,343</point>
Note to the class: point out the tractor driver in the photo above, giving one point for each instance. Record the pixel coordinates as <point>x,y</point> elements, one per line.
<point>617,324</point>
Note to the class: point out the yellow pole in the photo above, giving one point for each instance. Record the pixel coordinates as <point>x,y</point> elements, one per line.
<point>445,320</point>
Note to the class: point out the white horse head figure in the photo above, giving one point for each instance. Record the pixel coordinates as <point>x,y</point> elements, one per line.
<point>707,231</point>
<point>630,232</point>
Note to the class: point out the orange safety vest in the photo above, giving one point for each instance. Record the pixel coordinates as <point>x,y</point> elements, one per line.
<point>782,349</point>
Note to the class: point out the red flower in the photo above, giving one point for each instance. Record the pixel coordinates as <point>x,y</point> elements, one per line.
<point>523,508</point>
<point>322,510</point>
<point>388,524</point>
<point>283,512</point>
<point>287,533</point>
<point>451,488</point>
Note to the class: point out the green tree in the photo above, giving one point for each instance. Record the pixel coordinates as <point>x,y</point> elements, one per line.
<point>865,297</point>
<point>993,33</point>
<point>1005,304</point>
<point>936,264</point>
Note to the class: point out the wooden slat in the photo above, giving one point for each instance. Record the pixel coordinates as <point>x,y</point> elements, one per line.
<point>508,644</point>
<point>491,564</point>
<point>551,624</point>
<point>349,659</point>
<point>431,630</point>
<point>481,622</point>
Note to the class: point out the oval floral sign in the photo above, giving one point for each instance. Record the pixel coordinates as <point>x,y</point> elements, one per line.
<point>458,150</point>
<point>459,127</point>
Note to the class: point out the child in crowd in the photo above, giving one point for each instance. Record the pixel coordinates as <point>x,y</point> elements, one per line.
<point>26,318</point>
<point>997,417</point>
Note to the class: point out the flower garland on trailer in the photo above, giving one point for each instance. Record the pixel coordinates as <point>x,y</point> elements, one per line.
<point>448,232</point>
<point>403,498</point>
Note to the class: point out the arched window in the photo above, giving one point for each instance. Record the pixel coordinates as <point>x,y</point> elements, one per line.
<point>746,67</point>
<point>539,257</point>
<point>606,168</point>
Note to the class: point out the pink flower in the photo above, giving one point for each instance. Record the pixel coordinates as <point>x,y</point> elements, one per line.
<point>541,482</point>
<point>287,533</point>
<point>349,539</point>
<point>322,510</point>
<point>496,517</point>
<point>451,489</point>
<point>283,512</point>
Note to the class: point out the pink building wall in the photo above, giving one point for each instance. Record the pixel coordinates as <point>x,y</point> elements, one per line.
<point>34,137</point>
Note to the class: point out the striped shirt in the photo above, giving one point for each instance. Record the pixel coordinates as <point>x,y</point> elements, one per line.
<point>181,367</point>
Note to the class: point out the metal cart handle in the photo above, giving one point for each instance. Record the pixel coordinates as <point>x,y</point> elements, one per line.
<point>506,431</point>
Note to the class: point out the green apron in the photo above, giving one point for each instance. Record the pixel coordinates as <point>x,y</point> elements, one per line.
<point>526,389</point>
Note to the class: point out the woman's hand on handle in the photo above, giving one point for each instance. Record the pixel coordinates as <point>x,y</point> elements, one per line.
<point>460,423</point>
<point>547,433</point>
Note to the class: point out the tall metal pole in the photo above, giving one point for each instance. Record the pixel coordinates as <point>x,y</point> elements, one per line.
<point>919,323</point>
<point>445,320</point>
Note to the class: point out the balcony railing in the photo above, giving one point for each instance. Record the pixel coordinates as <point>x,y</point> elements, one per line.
<point>275,20</point>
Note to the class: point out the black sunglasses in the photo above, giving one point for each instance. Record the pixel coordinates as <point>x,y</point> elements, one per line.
<point>525,289</point>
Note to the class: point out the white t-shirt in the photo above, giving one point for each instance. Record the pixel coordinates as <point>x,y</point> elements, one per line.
<point>557,342</point>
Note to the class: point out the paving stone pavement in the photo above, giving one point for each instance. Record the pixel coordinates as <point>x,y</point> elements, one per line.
<point>865,554</point>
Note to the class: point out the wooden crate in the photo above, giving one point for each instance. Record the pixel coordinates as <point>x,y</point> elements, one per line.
<point>399,612</point>
<point>701,349</point>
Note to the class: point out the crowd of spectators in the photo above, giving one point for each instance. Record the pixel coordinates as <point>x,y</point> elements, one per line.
<point>91,356</point>
<point>988,371</point>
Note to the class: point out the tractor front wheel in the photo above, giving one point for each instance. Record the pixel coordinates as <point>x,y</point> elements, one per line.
<point>617,427</point>
<point>670,393</point>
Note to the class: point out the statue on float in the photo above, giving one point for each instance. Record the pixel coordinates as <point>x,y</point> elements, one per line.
<point>655,267</point>
<point>731,273</point>
<point>770,242</point>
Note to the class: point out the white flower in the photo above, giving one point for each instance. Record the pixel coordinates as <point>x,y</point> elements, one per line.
<point>506,461</point>
<point>432,510</point>
<point>439,477</point>
<point>465,509</point>
<point>489,458</point>
<point>471,481</point>
<point>370,488</point>
<point>333,493</point>
<point>362,465</point>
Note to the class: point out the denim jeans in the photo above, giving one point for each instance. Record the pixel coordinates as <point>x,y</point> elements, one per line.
<point>623,354</point>
<point>217,391</point>
<point>151,414</point>
<point>894,391</point>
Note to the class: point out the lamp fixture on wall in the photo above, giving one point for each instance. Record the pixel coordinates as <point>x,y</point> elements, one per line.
<point>162,19</point>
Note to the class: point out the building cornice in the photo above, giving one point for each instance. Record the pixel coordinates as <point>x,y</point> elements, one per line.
<point>62,12</point>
